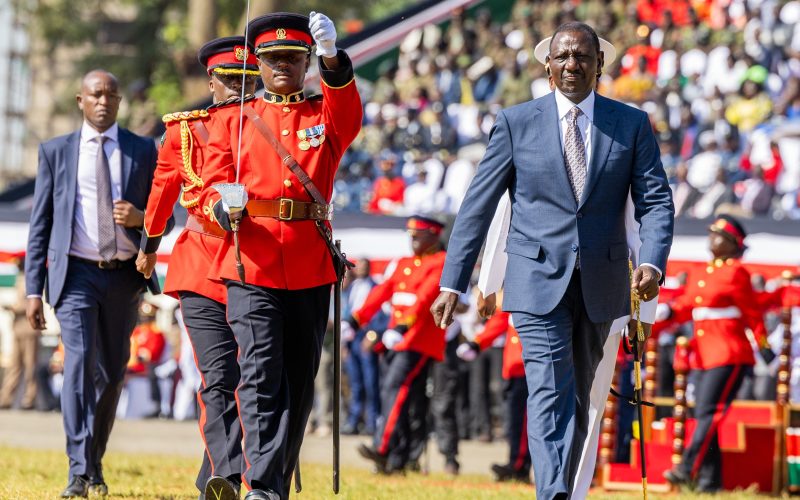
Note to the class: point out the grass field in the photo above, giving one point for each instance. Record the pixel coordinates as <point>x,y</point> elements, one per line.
<point>39,475</point>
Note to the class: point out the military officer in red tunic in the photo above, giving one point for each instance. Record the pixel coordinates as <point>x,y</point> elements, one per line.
<point>721,302</point>
<point>279,311</point>
<point>518,467</point>
<point>412,342</point>
<point>179,175</point>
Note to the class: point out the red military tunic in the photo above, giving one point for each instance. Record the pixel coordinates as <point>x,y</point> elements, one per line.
<point>179,174</point>
<point>412,288</point>
<point>721,301</point>
<point>500,323</point>
<point>147,347</point>
<point>281,254</point>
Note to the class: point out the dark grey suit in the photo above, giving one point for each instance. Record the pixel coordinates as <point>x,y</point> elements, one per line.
<point>96,308</point>
<point>562,314</point>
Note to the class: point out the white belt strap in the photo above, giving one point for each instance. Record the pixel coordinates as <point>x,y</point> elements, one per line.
<point>707,313</point>
<point>403,299</point>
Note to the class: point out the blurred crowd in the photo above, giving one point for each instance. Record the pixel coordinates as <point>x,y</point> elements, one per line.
<point>720,80</point>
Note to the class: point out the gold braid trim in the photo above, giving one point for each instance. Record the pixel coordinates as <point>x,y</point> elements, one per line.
<point>187,144</point>
<point>635,301</point>
<point>208,211</point>
<point>184,115</point>
<point>236,71</point>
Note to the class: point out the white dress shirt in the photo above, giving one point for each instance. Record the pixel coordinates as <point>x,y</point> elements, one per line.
<point>585,121</point>
<point>84,224</point>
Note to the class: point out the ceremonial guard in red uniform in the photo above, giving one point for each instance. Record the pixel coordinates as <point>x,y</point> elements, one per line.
<point>286,160</point>
<point>412,342</point>
<point>518,467</point>
<point>721,302</point>
<point>180,175</point>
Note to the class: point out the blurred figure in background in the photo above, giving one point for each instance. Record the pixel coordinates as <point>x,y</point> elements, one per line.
<point>24,354</point>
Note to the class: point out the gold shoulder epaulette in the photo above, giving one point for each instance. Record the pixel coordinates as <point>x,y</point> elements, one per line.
<point>231,100</point>
<point>184,115</point>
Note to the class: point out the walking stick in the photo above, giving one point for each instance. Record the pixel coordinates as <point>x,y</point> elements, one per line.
<point>637,385</point>
<point>298,484</point>
<point>337,364</point>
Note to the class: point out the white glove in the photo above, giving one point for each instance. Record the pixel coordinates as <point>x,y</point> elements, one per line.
<point>324,33</point>
<point>466,352</point>
<point>347,331</point>
<point>391,338</point>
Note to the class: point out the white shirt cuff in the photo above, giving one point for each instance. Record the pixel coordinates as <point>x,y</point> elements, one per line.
<point>660,274</point>
<point>445,289</point>
<point>33,296</point>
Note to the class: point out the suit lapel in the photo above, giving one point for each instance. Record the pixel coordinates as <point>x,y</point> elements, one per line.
<point>126,155</point>
<point>551,137</point>
<point>71,170</point>
<point>602,137</point>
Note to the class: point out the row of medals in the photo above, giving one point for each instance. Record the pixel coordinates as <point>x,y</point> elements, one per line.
<point>311,137</point>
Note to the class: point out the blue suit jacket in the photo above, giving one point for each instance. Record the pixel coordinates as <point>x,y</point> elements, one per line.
<point>548,227</point>
<point>50,232</point>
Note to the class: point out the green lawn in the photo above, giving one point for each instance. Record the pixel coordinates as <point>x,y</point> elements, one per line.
<point>41,475</point>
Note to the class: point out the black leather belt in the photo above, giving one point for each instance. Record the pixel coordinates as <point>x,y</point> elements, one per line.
<point>109,266</point>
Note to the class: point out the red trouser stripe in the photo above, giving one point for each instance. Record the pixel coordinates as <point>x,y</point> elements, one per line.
<point>399,401</point>
<point>203,416</point>
<point>523,443</point>
<point>718,415</point>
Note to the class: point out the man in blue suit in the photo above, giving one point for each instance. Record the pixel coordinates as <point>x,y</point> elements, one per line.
<point>91,189</point>
<point>568,161</point>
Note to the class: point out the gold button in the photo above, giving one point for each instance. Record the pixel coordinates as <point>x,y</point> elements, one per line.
<point>284,132</point>
<point>398,314</point>
<point>729,262</point>
<point>710,269</point>
<point>718,262</point>
<point>700,332</point>
<point>417,262</point>
<point>287,183</point>
<point>515,340</point>
<point>407,271</point>
<point>698,300</point>
<point>402,286</point>
<point>286,109</point>
<point>701,283</point>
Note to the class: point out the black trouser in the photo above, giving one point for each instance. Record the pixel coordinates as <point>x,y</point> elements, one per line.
<point>714,391</point>
<point>485,372</point>
<point>402,429</point>
<point>280,335</point>
<point>445,393</point>
<point>519,457</point>
<point>215,356</point>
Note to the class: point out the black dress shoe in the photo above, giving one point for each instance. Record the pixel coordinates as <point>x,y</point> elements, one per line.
<point>98,489</point>
<point>220,488</point>
<point>77,488</point>
<point>372,455</point>
<point>676,477</point>
<point>451,467</point>
<point>503,473</point>
<point>261,495</point>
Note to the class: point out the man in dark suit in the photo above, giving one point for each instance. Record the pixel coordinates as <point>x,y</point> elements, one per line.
<point>568,161</point>
<point>91,190</point>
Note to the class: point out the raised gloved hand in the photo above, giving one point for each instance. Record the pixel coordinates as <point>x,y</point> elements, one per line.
<point>468,351</point>
<point>391,338</point>
<point>324,33</point>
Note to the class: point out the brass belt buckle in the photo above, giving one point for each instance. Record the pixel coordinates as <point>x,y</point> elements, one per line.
<point>104,265</point>
<point>286,205</point>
